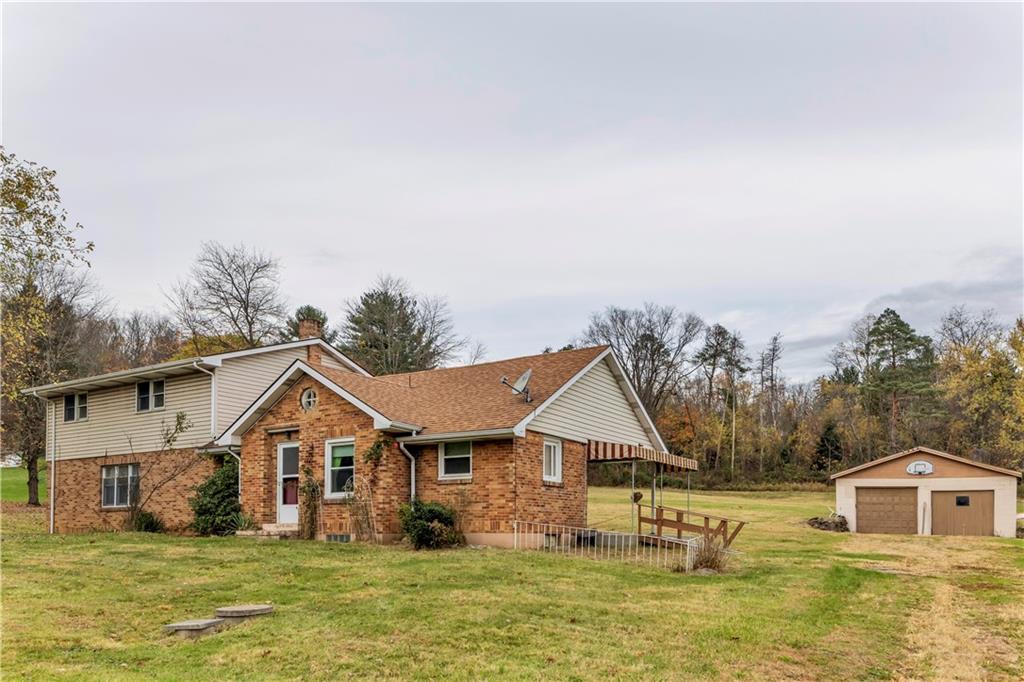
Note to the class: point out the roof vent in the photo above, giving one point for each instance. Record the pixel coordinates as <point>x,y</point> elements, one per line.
<point>520,386</point>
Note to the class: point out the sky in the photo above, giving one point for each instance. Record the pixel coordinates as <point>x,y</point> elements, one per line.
<point>776,168</point>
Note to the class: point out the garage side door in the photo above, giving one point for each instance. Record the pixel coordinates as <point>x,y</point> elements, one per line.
<point>965,512</point>
<point>887,510</point>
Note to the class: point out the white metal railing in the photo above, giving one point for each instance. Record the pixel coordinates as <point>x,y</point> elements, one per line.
<point>651,550</point>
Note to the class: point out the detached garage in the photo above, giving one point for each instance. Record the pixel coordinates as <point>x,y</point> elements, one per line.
<point>927,492</point>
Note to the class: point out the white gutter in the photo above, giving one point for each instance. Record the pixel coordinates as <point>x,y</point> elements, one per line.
<point>213,402</point>
<point>484,434</point>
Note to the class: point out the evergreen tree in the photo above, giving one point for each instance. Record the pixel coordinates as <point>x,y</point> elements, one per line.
<point>899,382</point>
<point>829,450</point>
<point>389,330</point>
<point>308,312</point>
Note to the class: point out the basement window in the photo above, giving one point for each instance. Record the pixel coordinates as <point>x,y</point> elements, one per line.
<point>455,460</point>
<point>120,483</point>
<point>76,407</point>
<point>149,395</point>
<point>963,500</point>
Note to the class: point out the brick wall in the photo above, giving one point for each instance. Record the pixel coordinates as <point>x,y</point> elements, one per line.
<point>333,417</point>
<point>538,500</point>
<point>506,483</point>
<point>78,500</point>
<point>487,500</point>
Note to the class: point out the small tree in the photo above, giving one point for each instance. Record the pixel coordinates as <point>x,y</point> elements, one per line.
<point>153,476</point>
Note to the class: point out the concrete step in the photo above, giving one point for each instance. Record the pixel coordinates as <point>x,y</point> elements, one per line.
<point>240,612</point>
<point>271,531</point>
<point>280,527</point>
<point>198,627</point>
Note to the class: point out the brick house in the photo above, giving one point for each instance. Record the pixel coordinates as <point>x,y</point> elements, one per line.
<point>458,435</point>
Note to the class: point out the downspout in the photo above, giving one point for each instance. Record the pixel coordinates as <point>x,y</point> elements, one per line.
<point>213,421</point>
<point>412,469</point>
<point>213,400</point>
<point>238,457</point>
<point>52,473</point>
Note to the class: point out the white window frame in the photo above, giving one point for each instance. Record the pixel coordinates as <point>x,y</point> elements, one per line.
<point>328,444</point>
<point>81,401</point>
<point>556,475</point>
<point>163,395</point>
<point>442,458</point>
<point>133,472</point>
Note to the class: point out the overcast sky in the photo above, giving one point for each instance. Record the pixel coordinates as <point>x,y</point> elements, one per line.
<point>774,167</point>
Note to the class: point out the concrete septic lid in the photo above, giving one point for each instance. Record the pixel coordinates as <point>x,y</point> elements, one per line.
<point>197,624</point>
<point>244,610</point>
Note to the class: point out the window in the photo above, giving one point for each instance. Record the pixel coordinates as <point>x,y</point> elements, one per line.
<point>963,500</point>
<point>149,395</point>
<point>308,399</point>
<point>120,484</point>
<point>455,460</point>
<point>339,467</point>
<point>76,407</point>
<point>553,461</point>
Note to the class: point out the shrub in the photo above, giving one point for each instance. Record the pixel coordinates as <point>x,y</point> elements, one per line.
<point>430,525</point>
<point>710,555</point>
<point>144,521</point>
<point>215,504</point>
<point>242,521</point>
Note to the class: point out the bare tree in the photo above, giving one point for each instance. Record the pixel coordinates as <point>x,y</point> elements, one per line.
<point>143,339</point>
<point>476,353</point>
<point>232,291</point>
<point>159,470</point>
<point>652,345</point>
<point>961,330</point>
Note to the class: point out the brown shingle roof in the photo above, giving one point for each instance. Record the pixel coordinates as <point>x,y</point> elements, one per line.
<point>470,398</point>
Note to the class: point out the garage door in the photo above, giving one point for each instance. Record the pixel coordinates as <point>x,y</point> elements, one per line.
<point>965,512</point>
<point>887,510</point>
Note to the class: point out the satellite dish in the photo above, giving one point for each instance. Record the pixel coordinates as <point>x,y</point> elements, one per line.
<point>520,386</point>
<point>522,381</point>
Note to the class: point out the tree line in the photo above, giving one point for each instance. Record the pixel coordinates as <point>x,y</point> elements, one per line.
<point>890,388</point>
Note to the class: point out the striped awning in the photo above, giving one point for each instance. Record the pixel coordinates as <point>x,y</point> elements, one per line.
<point>602,451</point>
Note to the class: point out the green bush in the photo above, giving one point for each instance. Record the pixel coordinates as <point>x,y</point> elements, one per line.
<point>430,525</point>
<point>145,522</point>
<point>215,504</point>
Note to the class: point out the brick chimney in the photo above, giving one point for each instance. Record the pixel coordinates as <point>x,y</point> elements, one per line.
<point>309,328</point>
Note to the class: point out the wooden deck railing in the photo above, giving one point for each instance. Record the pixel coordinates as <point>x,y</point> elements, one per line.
<point>681,520</point>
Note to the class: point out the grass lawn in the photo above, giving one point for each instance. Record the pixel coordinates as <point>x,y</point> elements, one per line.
<point>796,603</point>
<point>14,484</point>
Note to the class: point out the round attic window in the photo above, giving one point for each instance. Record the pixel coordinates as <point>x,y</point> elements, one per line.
<point>308,399</point>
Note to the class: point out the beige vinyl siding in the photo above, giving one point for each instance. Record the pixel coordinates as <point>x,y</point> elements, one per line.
<point>329,362</point>
<point>113,421</point>
<point>594,408</point>
<point>241,380</point>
